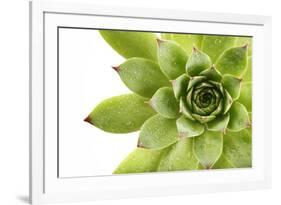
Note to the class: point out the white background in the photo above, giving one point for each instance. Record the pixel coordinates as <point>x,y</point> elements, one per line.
<point>86,79</point>
<point>14,101</point>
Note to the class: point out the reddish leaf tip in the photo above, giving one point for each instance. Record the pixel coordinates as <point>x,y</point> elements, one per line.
<point>159,41</point>
<point>248,124</point>
<point>148,103</point>
<point>88,119</point>
<point>116,68</point>
<point>140,145</point>
<point>245,45</point>
<point>194,49</point>
<point>182,135</point>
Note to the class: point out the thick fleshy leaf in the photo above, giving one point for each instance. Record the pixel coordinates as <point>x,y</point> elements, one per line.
<point>197,62</point>
<point>132,44</point>
<point>165,103</point>
<point>208,148</point>
<point>223,163</point>
<point>204,119</point>
<point>246,96</point>
<point>233,61</point>
<point>238,148</point>
<point>184,109</point>
<point>218,124</point>
<point>212,74</point>
<point>218,86</point>
<point>180,86</point>
<point>180,157</point>
<point>232,84</point>
<point>189,128</point>
<point>239,118</point>
<point>172,58</point>
<point>241,41</point>
<point>214,45</point>
<point>187,41</point>
<point>142,76</point>
<point>121,114</point>
<point>227,101</point>
<point>247,76</point>
<point>139,161</point>
<point>219,109</point>
<point>188,98</point>
<point>194,81</point>
<point>158,132</point>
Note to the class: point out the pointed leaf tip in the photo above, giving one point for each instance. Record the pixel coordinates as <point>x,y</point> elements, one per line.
<point>116,68</point>
<point>172,82</point>
<point>246,45</point>
<point>248,124</point>
<point>139,144</point>
<point>159,41</point>
<point>88,119</point>
<point>194,49</point>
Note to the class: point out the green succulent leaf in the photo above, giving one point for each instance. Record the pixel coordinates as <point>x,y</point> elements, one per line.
<point>172,58</point>
<point>142,76</point>
<point>194,81</point>
<point>180,85</point>
<point>239,118</point>
<point>165,103</point>
<point>246,96</point>
<point>233,61</point>
<point>158,132</point>
<point>232,84</point>
<point>238,148</point>
<point>186,41</point>
<point>241,41</point>
<point>184,109</point>
<point>197,62</point>
<point>140,160</point>
<point>214,45</point>
<point>247,76</point>
<point>227,101</point>
<point>204,119</point>
<point>212,74</point>
<point>189,128</point>
<point>132,44</point>
<point>223,163</point>
<point>121,114</point>
<point>219,109</point>
<point>180,157</point>
<point>208,148</point>
<point>218,124</point>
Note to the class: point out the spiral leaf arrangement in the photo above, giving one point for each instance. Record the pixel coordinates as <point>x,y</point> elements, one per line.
<point>191,101</point>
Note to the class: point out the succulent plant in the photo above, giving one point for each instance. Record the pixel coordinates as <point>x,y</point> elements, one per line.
<point>191,101</point>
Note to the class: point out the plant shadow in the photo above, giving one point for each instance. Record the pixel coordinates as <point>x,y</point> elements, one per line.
<point>24,199</point>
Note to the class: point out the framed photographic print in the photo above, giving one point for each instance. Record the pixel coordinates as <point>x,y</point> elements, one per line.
<point>147,102</point>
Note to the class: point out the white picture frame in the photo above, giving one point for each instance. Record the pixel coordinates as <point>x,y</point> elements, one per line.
<point>47,187</point>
